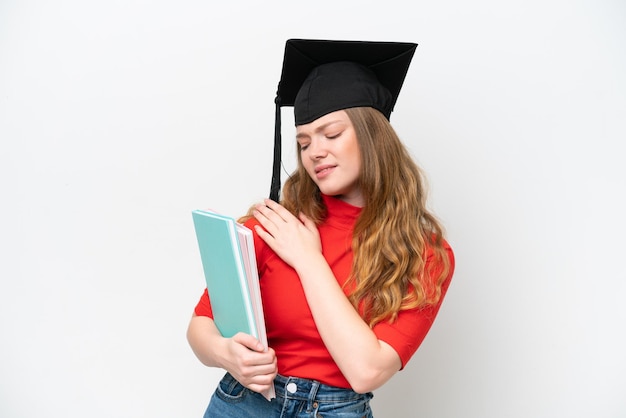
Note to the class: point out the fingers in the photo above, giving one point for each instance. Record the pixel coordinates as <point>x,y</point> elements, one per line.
<point>257,382</point>
<point>250,363</point>
<point>262,383</point>
<point>308,222</point>
<point>290,237</point>
<point>248,341</point>
<point>249,352</point>
<point>273,217</point>
<point>274,211</point>
<point>276,207</point>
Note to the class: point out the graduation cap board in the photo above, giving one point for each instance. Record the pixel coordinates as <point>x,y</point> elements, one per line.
<point>319,77</point>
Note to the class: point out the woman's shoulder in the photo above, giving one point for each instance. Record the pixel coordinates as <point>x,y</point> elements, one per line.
<point>249,222</point>
<point>435,251</point>
<point>438,242</point>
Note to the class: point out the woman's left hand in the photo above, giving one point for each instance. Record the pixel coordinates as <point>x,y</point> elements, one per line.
<point>292,238</point>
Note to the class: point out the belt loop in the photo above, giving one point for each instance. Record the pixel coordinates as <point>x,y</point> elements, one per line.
<point>312,405</point>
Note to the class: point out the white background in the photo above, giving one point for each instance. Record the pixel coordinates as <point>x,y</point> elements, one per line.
<point>118,118</point>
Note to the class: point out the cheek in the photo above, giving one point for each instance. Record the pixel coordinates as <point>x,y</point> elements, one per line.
<point>356,158</point>
<point>356,165</point>
<point>352,149</point>
<point>308,165</point>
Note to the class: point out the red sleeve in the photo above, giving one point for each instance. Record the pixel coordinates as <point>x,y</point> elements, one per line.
<point>409,330</point>
<point>203,308</point>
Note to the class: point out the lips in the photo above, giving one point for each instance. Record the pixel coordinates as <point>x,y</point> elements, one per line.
<point>324,170</point>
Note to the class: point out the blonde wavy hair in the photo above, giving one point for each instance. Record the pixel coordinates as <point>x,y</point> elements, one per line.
<point>389,271</point>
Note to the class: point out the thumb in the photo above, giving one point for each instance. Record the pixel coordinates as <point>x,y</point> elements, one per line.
<point>248,341</point>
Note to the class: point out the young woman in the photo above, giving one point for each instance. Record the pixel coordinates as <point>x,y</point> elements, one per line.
<point>353,267</point>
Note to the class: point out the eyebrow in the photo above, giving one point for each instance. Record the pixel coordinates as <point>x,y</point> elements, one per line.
<point>319,128</point>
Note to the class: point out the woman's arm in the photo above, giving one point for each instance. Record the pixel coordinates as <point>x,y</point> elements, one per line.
<point>366,362</point>
<point>243,356</point>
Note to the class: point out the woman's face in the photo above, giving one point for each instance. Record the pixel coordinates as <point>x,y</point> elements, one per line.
<point>330,154</point>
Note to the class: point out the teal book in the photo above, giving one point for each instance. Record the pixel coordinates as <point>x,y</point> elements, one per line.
<point>231,275</point>
<point>229,264</point>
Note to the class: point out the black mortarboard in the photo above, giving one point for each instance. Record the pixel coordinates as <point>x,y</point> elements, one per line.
<point>319,77</point>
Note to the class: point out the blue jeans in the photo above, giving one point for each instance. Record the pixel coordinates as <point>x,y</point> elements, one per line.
<point>295,398</point>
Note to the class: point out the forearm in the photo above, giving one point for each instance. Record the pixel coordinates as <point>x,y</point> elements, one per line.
<point>365,361</point>
<point>243,356</point>
<point>206,341</point>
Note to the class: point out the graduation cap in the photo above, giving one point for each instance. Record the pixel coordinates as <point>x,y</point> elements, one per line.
<point>320,77</point>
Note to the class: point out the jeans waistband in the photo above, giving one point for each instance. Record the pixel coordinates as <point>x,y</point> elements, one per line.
<point>312,390</point>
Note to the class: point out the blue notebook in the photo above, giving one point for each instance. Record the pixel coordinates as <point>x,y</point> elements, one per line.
<point>231,275</point>
<point>229,264</point>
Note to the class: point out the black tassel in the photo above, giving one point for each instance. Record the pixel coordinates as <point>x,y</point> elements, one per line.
<point>275,187</point>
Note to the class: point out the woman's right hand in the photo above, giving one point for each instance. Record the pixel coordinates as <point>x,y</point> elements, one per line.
<point>242,355</point>
<point>249,363</point>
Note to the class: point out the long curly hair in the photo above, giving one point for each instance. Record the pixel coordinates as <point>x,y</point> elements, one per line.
<point>394,229</point>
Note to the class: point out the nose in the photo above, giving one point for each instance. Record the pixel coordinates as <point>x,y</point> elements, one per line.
<point>317,149</point>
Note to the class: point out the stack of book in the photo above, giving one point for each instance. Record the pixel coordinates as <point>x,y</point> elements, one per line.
<point>231,275</point>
